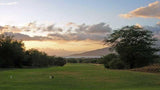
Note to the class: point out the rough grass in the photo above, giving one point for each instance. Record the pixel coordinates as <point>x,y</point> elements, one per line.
<point>78,77</point>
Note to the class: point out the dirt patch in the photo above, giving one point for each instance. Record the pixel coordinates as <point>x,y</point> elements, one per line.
<point>155,68</point>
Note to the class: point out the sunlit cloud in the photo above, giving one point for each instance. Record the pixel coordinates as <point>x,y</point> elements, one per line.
<point>41,32</point>
<point>150,11</point>
<point>139,25</point>
<point>8,4</point>
<point>158,23</point>
<point>56,40</point>
<point>64,41</point>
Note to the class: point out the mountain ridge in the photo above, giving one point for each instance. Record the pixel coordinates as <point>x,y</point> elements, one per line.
<point>97,52</point>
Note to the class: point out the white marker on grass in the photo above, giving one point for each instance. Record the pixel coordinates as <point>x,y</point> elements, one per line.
<point>11,76</point>
<point>51,76</point>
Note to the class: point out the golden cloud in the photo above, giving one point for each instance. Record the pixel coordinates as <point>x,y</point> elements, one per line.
<point>32,31</point>
<point>150,11</point>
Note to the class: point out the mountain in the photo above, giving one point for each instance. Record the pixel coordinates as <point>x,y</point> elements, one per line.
<point>57,52</point>
<point>98,52</point>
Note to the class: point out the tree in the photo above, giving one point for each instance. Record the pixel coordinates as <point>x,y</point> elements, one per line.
<point>35,58</point>
<point>106,59</point>
<point>13,55</point>
<point>11,52</point>
<point>134,45</point>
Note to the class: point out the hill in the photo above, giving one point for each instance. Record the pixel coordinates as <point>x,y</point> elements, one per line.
<point>98,52</point>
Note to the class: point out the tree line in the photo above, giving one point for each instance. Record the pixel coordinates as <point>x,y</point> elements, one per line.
<point>14,55</point>
<point>134,47</point>
<point>82,60</point>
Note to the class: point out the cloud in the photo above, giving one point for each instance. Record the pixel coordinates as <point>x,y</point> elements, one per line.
<point>33,27</point>
<point>138,25</point>
<point>19,36</point>
<point>76,37</point>
<point>42,32</point>
<point>71,24</point>
<point>158,23</point>
<point>33,31</point>
<point>8,4</point>
<point>8,28</point>
<point>84,32</point>
<point>150,11</point>
<point>100,28</point>
<point>155,29</point>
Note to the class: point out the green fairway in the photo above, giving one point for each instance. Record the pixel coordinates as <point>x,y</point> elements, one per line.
<point>77,77</point>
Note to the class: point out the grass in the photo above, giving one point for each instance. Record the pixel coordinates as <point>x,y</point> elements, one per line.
<point>78,77</point>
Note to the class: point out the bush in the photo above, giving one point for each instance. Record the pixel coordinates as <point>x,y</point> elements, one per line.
<point>35,58</point>
<point>72,60</point>
<point>106,59</point>
<point>112,61</point>
<point>157,60</point>
<point>59,61</point>
<point>82,60</point>
<point>116,63</point>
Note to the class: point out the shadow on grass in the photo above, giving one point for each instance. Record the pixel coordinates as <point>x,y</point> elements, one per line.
<point>7,69</point>
<point>26,67</point>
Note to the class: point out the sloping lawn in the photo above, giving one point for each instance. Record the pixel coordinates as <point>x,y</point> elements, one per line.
<point>77,77</point>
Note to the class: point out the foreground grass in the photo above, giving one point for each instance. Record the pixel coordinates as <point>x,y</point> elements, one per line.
<point>77,77</point>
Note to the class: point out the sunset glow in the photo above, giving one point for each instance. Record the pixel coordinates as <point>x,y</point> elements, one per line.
<point>56,26</point>
<point>72,46</point>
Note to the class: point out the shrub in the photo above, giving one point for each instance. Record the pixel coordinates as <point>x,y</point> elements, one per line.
<point>106,59</point>
<point>157,60</point>
<point>82,60</point>
<point>112,61</point>
<point>72,60</point>
<point>59,61</point>
<point>35,58</point>
<point>116,63</point>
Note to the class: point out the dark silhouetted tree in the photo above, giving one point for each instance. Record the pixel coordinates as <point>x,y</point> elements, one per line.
<point>13,55</point>
<point>11,52</point>
<point>134,45</point>
<point>36,58</point>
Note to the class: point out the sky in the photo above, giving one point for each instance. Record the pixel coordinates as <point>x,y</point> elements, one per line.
<point>63,27</point>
